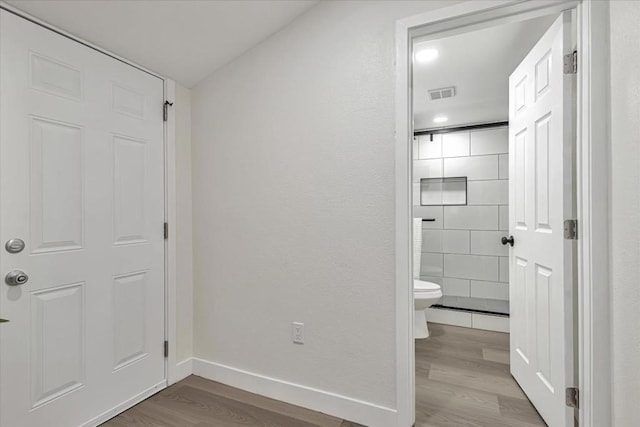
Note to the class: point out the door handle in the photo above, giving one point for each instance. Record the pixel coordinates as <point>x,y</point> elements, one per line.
<point>508,241</point>
<point>16,278</point>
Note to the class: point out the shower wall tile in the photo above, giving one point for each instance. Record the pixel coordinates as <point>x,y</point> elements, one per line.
<point>503,162</point>
<point>431,168</point>
<point>456,287</point>
<point>504,218</point>
<point>488,243</point>
<point>474,168</point>
<point>493,290</point>
<point>461,249</point>
<point>429,212</point>
<point>429,149</point>
<point>455,144</point>
<point>431,264</point>
<point>504,270</point>
<point>455,241</point>
<point>432,240</point>
<point>494,192</point>
<point>471,217</point>
<point>471,267</point>
<point>490,141</point>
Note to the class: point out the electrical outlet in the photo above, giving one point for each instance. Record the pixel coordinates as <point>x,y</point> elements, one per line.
<point>297,331</point>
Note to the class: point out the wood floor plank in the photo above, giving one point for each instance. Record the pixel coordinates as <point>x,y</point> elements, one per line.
<point>498,356</point>
<point>273,405</point>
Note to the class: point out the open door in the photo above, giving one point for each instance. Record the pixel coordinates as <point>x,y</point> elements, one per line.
<point>541,140</point>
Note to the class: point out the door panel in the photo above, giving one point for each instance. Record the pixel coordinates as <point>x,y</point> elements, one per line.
<point>81,182</point>
<point>541,100</point>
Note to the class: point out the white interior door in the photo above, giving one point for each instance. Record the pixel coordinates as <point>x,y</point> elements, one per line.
<point>541,140</point>
<point>81,183</point>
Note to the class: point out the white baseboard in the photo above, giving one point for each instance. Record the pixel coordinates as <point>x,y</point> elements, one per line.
<point>339,406</point>
<point>125,405</point>
<point>183,369</point>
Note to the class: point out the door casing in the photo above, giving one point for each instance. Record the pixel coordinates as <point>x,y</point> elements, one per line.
<point>592,180</point>
<point>172,374</point>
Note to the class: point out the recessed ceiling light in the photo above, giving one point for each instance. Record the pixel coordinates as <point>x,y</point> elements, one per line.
<point>426,55</point>
<point>440,119</point>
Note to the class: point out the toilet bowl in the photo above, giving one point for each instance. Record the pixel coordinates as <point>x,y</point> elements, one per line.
<point>425,294</point>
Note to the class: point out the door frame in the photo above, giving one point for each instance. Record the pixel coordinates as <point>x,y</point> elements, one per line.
<point>172,373</point>
<point>592,188</point>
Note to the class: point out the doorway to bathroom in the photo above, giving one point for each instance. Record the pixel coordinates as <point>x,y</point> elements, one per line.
<point>493,190</point>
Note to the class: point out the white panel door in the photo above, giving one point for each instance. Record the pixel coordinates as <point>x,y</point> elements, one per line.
<point>81,183</point>
<point>541,135</point>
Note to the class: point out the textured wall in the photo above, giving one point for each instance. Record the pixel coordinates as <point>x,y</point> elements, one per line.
<point>625,198</point>
<point>293,191</point>
<point>184,231</point>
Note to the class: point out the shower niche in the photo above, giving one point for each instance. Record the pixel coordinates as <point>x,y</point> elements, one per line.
<point>443,191</point>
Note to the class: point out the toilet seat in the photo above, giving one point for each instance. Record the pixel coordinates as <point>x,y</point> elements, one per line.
<point>422,289</point>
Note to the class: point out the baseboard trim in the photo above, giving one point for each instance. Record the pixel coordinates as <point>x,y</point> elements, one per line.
<point>125,405</point>
<point>183,369</point>
<point>347,408</point>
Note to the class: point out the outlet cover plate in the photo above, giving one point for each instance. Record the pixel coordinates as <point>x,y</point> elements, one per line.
<point>297,332</point>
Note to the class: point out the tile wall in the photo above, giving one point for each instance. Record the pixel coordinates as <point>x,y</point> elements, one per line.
<point>461,249</point>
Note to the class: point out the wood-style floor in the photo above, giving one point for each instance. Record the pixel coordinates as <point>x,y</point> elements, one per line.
<point>462,379</point>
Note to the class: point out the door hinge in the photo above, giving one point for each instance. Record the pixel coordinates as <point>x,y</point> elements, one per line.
<point>166,349</point>
<point>572,397</point>
<point>165,110</point>
<point>166,230</point>
<point>571,229</point>
<point>571,63</point>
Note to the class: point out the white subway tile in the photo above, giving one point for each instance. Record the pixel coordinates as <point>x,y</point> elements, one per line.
<point>504,218</point>
<point>471,217</point>
<point>503,161</point>
<point>471,267</point>
<point>455,241</point>
<point>455,287</point>
<point>490,323</point>
<point>431,240</point>
<point>431,264</point>
<point>431,168</point>
<point>474,168</point>
<point>488,243</point>
<point>492,192</point>
<point>490,141</point>
<point>429,212</point>
<point>504,270</point>
<point>455,144</point>
<point>449,317</point>
<point>430,149</point>
<point>493,290</point>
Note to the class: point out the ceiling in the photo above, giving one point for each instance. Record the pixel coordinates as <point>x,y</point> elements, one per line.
<point>182,39</point>
<point>478,64</point>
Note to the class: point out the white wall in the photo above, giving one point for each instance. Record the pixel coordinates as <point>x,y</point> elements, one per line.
<point>184,241</point>
<point>293,202</point>
<point>625,198</point>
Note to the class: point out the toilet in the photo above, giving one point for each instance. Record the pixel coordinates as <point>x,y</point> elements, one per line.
<point>425,294</point>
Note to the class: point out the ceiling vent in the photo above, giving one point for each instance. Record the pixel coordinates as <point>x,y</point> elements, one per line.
<point>442,93</point>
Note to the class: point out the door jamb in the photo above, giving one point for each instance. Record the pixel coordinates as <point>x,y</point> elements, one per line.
<point>171,374</point>
<point>592,176</point>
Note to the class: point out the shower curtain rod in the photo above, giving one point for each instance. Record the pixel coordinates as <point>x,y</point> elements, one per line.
<point>450,129</point>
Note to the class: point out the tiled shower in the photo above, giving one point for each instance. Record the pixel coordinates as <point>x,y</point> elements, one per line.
<point>461,192</point>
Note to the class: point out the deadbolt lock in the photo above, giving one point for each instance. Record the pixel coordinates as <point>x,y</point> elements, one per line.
<point>14,246</point>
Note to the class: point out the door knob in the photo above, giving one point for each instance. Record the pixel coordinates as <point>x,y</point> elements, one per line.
<point>16,278</point>
<point>508,240</point>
